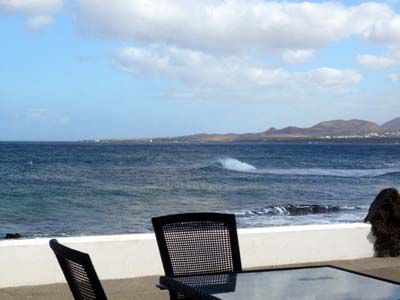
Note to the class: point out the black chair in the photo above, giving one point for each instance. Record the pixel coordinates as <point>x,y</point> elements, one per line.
<point>79,273</point>
<point>197,244</point>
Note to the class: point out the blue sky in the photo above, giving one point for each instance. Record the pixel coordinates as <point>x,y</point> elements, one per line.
<point>89,69</point>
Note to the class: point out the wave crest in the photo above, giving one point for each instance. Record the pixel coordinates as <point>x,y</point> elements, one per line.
<point>233,164</point>
<point>236,165</point>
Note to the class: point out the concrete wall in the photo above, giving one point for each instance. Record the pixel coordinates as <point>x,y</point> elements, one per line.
<point>31,262</point>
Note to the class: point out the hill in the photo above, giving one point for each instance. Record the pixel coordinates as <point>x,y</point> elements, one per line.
<point>393,125</point>
<point>335,127</point>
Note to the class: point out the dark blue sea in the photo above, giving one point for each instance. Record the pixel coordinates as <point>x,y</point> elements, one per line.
<point>74,189</point>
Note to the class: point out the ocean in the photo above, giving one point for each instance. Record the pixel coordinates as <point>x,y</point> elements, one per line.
<point>76,189</point>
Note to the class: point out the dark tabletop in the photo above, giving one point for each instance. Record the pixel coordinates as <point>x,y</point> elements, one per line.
<point>311,283</point>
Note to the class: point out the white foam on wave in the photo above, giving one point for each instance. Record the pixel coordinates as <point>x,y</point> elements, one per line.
<point>330,172</point>
<point>236,165</point>
<point>233,164</point>
<point>279,216</point>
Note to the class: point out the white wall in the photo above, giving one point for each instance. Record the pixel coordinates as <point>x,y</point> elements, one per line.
<point>31,262</point>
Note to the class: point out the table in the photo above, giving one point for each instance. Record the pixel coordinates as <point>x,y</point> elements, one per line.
<point>305,283</point>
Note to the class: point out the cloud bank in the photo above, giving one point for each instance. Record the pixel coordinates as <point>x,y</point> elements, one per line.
<point>229,44</point>
<point>238,25</point>
<point>235,73</point>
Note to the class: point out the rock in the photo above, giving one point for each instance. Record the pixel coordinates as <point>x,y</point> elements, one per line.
<point>384,216</point>
<point>13,236</point>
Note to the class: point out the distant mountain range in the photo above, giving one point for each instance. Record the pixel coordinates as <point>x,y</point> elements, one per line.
<point>336,129</point>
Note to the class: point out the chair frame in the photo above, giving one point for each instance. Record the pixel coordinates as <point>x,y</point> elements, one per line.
<point>62,252</point>
<point>227,219</point>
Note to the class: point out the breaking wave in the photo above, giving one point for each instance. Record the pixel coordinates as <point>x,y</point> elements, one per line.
<point>331,172</point>
<point>236,165</point>
<point>232,164</point>
<point>298,209</point>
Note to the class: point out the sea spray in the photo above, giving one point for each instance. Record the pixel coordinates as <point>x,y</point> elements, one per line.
<point>236,165</point>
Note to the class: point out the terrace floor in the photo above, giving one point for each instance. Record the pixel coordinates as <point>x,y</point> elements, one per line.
<point>144,287</point>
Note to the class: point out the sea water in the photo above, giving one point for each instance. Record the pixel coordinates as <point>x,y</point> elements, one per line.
<point>73,189</point>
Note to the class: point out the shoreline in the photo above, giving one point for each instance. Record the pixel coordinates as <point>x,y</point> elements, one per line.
<point>394,140</point>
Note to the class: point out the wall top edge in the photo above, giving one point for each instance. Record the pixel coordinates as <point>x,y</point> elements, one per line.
<point>305,228</point>
<point>79,239</point>
<point>150,236</point>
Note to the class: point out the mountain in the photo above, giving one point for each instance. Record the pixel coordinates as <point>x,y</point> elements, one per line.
<point>324,130</point>
<point>327,129</point>
<point>340,127</point>
<point>393,125</point>
<point>336,127</point>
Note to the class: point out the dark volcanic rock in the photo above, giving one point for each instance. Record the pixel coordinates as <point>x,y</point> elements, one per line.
<point>384,216</point>
<point>304,209</point>
<point>13,236</point>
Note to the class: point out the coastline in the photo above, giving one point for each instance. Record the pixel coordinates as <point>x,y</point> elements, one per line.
<point>148,141</point>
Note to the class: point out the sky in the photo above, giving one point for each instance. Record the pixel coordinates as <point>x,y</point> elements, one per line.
<point>92,69</point>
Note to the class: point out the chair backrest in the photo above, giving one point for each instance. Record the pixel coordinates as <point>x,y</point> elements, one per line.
<point>198,243</point>
<point>79,272</point>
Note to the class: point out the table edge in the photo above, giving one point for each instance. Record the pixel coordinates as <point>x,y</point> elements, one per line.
<point>197,293</point>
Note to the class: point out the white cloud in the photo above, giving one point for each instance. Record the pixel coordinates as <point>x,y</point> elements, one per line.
<point>31,7</point>
<point>232,73</point>
<point>393,77</point>
<point>386,31</point>
<point>299,56</point>
<point>237,25</point>
<point>38,22</point>
<point>380,62</point>
<point>41,115</point>
<point>39,12</point>
<point>329,77</point>
<point>376,62</point>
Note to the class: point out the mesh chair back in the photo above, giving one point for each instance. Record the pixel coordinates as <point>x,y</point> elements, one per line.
<point>198,243</point>
<point>79,273</point>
